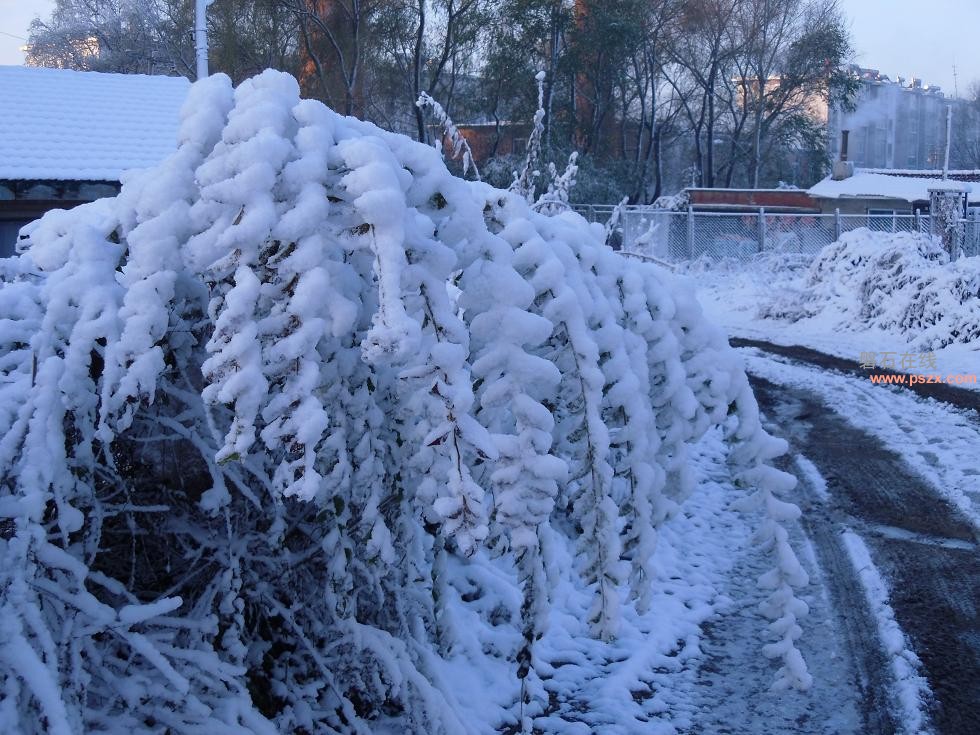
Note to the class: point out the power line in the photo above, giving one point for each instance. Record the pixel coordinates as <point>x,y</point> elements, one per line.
<point>19,38</point>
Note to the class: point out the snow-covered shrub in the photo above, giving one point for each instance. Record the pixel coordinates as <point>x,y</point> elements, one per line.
<point>864,271</point>
<point>293,425</point>
<point>947,308</point>
<point>900,282</point>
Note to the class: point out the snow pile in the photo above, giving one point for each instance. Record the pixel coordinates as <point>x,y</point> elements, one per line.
<point>899,282</point>
<point>766,286</point>
<point>302,434</point>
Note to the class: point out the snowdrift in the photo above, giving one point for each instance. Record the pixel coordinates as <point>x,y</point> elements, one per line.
<point>899,282</point>
<point>302,434</point>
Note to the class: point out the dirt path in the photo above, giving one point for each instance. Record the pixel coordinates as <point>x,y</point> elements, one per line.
<point>922,545</point>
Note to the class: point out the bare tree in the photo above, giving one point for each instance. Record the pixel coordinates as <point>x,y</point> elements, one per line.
<point>655,105</point>
<point>156,37</point>
<point>702,52</point>
<point>101,35</point>
<point>646,90</point>
<point>332,34</point>
<point>792,50</point>
<point>444,44</point>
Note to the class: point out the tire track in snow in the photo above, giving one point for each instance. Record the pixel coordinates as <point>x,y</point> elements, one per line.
<point>910,690</point>
<point>934,441</point>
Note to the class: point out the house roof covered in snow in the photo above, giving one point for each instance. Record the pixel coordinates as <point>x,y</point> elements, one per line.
<point>876,184</point>
<point>85,126</point>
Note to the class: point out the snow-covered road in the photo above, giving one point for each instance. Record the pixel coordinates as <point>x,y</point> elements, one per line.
<point>890,485</point>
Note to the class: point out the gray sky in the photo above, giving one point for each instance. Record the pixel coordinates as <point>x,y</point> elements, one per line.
<point>923,38</point>
<point>15,16</point>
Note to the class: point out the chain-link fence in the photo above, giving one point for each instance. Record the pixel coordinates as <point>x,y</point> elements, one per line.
<point>688,235</point>
<point>970,237</point>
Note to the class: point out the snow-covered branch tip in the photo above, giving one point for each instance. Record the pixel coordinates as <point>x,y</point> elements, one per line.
<point>456,139</point>
<point>555,200</point>
<point>525,181</point>
<point>613,230</point>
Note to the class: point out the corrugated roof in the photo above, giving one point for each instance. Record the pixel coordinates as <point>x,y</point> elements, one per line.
<point>85,126</point>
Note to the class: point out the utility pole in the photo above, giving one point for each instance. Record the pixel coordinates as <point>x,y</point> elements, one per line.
<point>949,130</point>
<point>201,36</point>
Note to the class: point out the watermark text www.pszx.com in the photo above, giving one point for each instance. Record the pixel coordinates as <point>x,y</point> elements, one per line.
<point>914,379</point>
<point>910,361</point>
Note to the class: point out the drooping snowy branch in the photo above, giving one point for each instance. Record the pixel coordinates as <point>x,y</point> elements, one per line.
<point>456,139</point>
<point>752,453</point>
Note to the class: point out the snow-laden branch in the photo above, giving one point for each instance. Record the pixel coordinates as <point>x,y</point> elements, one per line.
<point>456,139</point>
<point>525,180</point>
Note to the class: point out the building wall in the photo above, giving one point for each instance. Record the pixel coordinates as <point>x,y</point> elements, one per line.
<point>896,124</point>
<point>481,139</point>
<point>861,206</point>
<point>796,200</point>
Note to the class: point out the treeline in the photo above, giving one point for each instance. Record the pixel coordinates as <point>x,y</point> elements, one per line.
<point>654,94</point>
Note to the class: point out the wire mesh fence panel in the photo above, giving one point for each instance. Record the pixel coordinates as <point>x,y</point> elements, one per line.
<point>719,236</point>
<point>885,222</point>
<point>595,212</point>
<point>678,236</point>
<point>798,233</point>
<point>970,237</point>
<point>656,233</point>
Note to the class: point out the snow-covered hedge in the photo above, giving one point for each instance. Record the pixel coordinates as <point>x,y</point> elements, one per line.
<point>900,282</point>
<point>298,418</point>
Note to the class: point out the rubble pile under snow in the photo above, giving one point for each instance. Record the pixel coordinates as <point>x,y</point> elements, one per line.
<point>898,282</point>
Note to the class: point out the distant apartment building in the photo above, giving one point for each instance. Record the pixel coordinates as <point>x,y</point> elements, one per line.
<point>896,124</point>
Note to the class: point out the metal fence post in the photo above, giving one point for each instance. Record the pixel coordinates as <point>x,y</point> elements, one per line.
<point>690,231</point>
<point>837,232</point>
<point>762,229</point>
